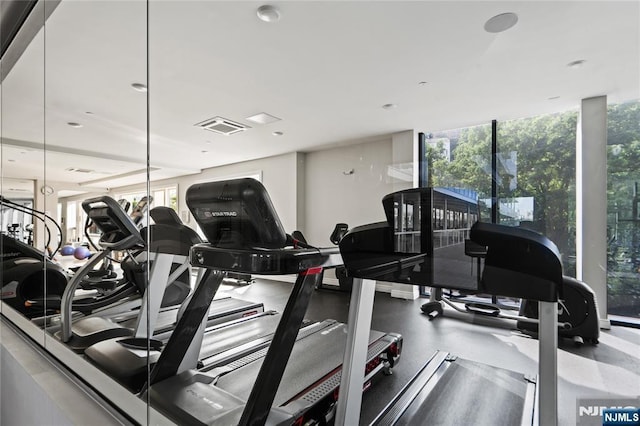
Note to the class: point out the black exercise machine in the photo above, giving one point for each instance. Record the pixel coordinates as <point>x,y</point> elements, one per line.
<point>168,279</point>
<point>450,252</point>
<point>25,269</point>
<point>245,235</point>
<point>344,281</point>
<point>42,217</point>
<point>519,263</point>
<point>118,233</point>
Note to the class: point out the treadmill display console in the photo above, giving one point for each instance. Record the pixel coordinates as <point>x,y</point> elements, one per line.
<point>432,237</point>
<point>236,213</point>
<point>422,242</point>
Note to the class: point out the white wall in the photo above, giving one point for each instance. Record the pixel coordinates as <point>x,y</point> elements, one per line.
<point>279,176</point>
<point>333,194</point>
<point>312,192</point>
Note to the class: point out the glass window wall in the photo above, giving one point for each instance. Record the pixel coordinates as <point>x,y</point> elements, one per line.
<point>623,216</point>
<point>536,172</point>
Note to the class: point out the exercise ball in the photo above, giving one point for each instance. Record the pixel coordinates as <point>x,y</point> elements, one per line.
<point>81,253</point>
<point>67,250</point>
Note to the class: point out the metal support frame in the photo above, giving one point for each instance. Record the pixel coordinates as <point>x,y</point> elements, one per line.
<point>186,339</point>
<point>355,356</point>
<point>548,363</point>
<point>266,385</point>
<point>66,304</point>
<point>152,299</point>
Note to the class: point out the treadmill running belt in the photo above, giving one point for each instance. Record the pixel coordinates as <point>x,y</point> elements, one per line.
<point>221,310</point>
<point>470,393</point>
<point>226,338</point>
<point>312,358</point>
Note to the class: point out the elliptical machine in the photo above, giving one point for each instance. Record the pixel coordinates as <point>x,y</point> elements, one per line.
<point>28,273</point>
<point>167,234</point>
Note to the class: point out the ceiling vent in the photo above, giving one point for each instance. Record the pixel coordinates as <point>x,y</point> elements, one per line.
<point>77,170</point>
<point>222,126</point>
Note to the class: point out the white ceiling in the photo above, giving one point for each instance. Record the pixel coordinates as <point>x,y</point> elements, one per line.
<point>325,69</point>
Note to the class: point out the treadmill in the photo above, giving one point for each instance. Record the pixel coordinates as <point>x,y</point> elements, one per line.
<point>295,379</point>
<point>225,347</point>
<point>449,390</point>
<point>171,236</point>
<point>168,250</point>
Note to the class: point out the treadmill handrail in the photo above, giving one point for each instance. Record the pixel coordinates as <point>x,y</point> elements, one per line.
<point>263,260</point>
<point>384,268</point>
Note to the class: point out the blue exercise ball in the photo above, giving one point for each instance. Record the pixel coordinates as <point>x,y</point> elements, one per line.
<point>67,250</point>
<point>81,253</point>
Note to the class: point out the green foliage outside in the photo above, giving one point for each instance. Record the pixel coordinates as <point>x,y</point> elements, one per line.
<point>538,159</point>
<point>623,222</point>
<point>544,169</point>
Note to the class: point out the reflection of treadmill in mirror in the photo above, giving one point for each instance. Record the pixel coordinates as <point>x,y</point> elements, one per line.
<point>295,379</point>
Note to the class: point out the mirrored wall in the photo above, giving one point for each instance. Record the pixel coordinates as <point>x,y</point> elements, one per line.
<point>74,121</point>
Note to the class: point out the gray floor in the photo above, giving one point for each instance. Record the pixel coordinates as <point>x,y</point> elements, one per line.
<point>609,370</point>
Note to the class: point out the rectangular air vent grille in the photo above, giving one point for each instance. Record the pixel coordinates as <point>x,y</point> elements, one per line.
<point>77,170</point>
<point>222,126</point>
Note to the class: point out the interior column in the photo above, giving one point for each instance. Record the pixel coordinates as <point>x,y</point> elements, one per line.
<point>591,200</point>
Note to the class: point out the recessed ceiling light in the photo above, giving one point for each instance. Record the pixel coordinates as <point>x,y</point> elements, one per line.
<point>552,98</point>
<point>422,83</point>
<point>139,87</point>
<point>389,106</point>
<point>500,23</point>
<point>74,124</point>
<point>11,161</point>
<point>88,112</point>
<point>277,133</point>
<point>204,151</point>
<point>263,118</point>
<point>576,64</point>
<point>268,13</point>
